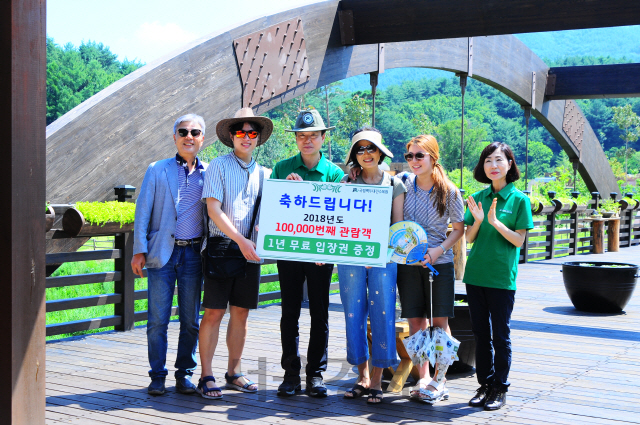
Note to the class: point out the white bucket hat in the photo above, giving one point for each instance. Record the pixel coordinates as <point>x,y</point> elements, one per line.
<point>373,137</point>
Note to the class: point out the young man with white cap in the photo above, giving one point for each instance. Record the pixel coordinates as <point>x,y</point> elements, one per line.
<point>309,165</point>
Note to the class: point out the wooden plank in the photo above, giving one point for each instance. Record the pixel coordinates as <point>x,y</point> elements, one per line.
<point>82,279</point>
<point>83,325</point>
<point>95,373</point>
<point>595,81</point>
<point>380,21</point>
<point>266,278</point>
<point>22,255</point>
<point>81,302</point>
<point>101,254</point>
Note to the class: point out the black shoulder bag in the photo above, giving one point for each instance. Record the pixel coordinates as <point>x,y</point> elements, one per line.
<point>224,258</point>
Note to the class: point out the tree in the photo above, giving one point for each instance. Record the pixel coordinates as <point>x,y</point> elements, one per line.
<point>281,144</point>
<point>354,114</point>
<point>76,74</point>
<point>424,125</point>
<point>629,122</point>
<point>448,135</point>
<point>539,159</point>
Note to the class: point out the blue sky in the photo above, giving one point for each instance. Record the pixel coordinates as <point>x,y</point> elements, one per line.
<point>148,29</point>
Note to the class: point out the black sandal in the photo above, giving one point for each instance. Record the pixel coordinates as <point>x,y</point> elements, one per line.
<point>357,391</point>
<point>373,395</point>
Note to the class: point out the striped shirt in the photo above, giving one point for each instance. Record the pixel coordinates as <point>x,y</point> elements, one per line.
<point>419,207</point>
<point>235,184</point>
<point>189,223</point>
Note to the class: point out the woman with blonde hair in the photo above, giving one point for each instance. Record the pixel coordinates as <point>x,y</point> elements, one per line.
<point>434,202</point>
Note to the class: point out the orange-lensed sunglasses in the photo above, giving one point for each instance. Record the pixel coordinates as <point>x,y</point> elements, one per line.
<point>241,133</point>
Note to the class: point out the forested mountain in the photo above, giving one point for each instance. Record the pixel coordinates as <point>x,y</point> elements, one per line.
<point>434,106</point>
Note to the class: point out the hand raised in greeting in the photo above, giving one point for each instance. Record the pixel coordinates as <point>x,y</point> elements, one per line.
<point>476,209</point>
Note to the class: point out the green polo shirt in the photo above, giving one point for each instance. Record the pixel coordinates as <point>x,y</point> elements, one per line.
<point>324,171</point>
<point>493,260</point>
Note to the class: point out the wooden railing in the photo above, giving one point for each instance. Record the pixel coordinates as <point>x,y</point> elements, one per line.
<point>562,227</point>
<point>123,299</point>
<point>562,235</point>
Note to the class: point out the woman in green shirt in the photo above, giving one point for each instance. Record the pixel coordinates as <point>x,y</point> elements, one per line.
<point>497,220</point>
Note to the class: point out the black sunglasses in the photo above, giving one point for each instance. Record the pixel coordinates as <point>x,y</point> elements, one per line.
<point>371,149</point>
<point>182,132</point>
<point>418,156</point>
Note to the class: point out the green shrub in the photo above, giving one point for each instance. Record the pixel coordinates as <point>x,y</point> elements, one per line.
<point>102,212</point>
<point>609,205</point>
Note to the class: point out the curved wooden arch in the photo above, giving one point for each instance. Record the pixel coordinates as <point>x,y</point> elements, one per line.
<point>109,139</point>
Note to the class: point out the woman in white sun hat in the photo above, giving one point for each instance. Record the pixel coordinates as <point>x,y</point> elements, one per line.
<point>370,291</point>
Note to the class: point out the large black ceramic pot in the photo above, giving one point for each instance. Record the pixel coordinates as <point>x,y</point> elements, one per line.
<point>599,287</point>
<point>461,330</point>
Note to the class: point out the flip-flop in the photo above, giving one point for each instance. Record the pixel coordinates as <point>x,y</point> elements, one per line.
<point>204,390</point>
<point>244,388</point>
<point>373,395</point>
<point>357,391</point>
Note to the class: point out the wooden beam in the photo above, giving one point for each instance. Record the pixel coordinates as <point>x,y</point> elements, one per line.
<point>594,81</point>
<point>384,21</point>
<point>22,221</point>
<point>82,279</point>
<point>83,325</point>
<point>101,254</point>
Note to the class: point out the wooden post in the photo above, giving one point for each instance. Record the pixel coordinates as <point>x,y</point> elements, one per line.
<point>551,238</point>
<point>22,222</point>
<point>632,213</point>
<point>594,197</point>
<point>125,286</point>
<point>525,249</point>
<point>459,255</point>
<point>597,230</point>
<point>573,245</point>
<point>613,235</point>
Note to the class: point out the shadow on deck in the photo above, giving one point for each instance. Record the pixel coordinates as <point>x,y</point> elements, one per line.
<point>568,367</point>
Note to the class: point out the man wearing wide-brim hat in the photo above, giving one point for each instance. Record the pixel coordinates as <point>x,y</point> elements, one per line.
<point>309,164</point>
<point>230,191</point>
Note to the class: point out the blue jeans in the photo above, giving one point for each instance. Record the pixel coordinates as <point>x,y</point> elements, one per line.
<point>379,302</point>
<point>490,310</point>
<point>185,266</point>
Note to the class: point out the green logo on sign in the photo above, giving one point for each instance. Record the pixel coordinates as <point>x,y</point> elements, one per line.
<point>335,188</point>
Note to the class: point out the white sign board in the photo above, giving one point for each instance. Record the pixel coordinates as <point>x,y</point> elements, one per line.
<point>325,222</point>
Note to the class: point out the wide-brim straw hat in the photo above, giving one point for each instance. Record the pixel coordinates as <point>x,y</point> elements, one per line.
<point>309,120</point>
<point>371,136</point>
<point>243,115</point>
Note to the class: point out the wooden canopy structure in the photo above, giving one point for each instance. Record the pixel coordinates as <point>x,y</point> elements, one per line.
<point>109,139</point>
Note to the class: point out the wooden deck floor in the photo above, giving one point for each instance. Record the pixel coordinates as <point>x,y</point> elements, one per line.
<point>568,368</point>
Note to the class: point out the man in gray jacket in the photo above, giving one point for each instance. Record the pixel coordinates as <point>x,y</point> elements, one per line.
<point>169,225</point>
